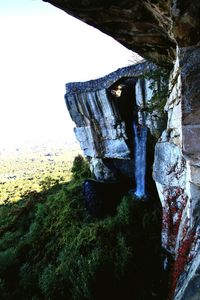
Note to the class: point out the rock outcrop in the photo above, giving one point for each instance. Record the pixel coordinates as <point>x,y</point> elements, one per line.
<point>104,111</point>
<point>177,152</point>
<point>168,33</point>
<point>141,26</point>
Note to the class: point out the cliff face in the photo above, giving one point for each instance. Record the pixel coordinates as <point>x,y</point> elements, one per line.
<point>139,25</point>
<point>177,175</point>
<point>151,28</point>
<point>168,33</point>
<point>103,111</point>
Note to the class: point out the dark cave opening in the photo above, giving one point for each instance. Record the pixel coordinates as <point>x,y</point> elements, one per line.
<point>122,96</point>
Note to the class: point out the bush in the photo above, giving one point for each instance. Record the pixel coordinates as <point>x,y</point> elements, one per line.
<point>80,168</point>
<point>52,249</point>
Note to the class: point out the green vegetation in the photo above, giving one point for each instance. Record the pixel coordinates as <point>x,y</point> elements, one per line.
<point>50,248</point>
<point>25,171</point>
<point>158,82</point>
<point>160,86</point>
<point>80,168</point>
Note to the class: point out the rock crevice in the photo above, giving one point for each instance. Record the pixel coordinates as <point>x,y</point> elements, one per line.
<point>167,33</point>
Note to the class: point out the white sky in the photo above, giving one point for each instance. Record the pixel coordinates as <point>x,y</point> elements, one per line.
<point>41,49</point>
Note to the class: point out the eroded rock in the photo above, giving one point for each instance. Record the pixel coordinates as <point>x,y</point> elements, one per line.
<point>142,26</point>
<point>154,29</point>
<point>104,111</point>
<point>176,171</point>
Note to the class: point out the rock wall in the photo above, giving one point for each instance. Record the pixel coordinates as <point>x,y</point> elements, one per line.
<point>189,281</point>
<point>168,33</point>
<point>103,111</point>
<point>140,25</point>
<point>176,172</point>
<point>104,131</point>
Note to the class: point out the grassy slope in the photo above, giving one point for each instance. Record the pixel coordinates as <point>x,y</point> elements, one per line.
<point>51,249</point>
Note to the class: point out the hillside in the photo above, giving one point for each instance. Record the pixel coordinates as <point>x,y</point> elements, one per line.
<point>26,169</point>
<point>50,248</point>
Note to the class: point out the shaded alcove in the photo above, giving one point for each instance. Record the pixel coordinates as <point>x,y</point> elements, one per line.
<point>122,95</point>
<point>105,111</point>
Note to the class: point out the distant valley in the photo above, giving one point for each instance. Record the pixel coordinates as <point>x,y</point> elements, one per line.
<point>30,168</point>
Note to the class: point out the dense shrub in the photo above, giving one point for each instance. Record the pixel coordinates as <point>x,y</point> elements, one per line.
<point>80,168</point>
<point>52,249</point>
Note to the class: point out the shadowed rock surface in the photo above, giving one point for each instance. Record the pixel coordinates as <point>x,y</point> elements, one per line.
<point>139,25</point>
<point>168,33</point>
<point>104,111</point>
<point>102,199</point>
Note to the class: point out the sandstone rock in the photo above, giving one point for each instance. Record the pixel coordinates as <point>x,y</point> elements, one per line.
<point>179,191</point>
<point>103,111</point>
<point>143,92</point>
<point>140,25</point>
<point>189,289</point>
<point>169,165</point>
<point>191,139</point>
<point>100,128</point>
<point>154,29</point>
<point>101,171</point>
<point>186,20</point>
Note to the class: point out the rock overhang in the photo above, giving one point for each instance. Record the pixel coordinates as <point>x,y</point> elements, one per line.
<point>140,25</point>
<point>107,81</point>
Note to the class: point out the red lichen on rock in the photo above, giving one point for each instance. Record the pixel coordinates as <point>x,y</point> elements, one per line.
<point>175,200</point>
<point>181,261</point>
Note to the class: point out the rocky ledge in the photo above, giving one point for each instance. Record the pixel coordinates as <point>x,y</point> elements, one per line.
<point>167,33</point>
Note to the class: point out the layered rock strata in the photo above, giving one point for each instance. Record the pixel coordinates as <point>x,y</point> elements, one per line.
<point>141,26</point>
<point>176,172</point>
<point>103,111</point>
<point>155,29</point>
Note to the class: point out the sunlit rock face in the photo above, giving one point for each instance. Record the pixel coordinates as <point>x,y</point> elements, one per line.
<point>99,129</point>
<point>177,175</point>
<point>154,29</point>
<point>111,114</point>
<point>103,111</point>
<point>190,95</point>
